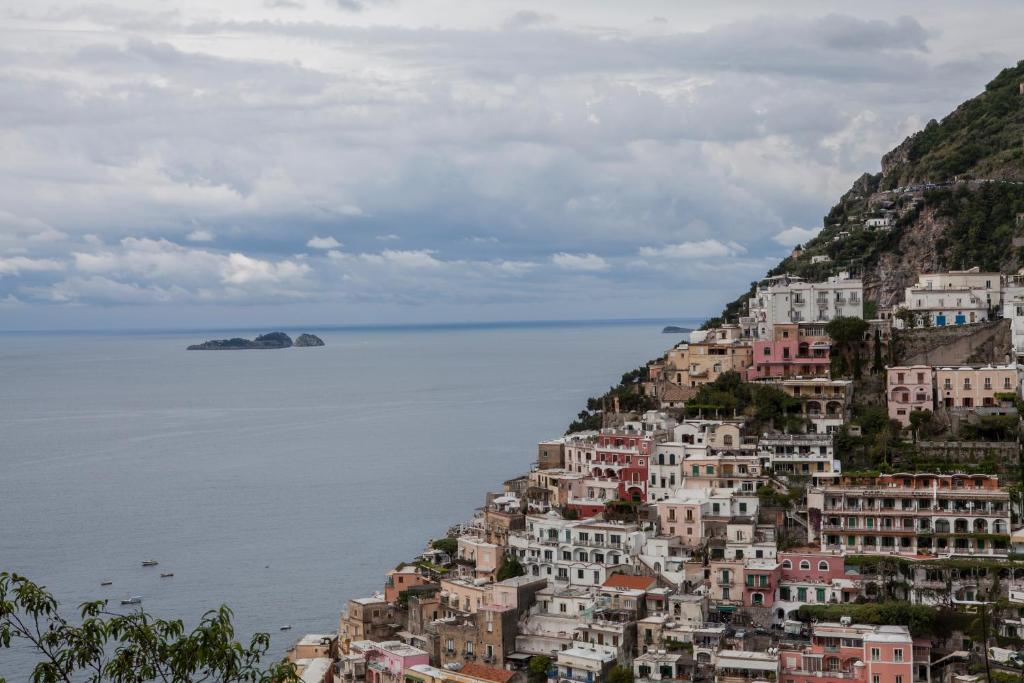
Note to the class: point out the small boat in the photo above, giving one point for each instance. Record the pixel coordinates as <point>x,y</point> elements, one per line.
<point>167,575</point>
<point>132,600</point>
<point>107,583</point>
<point>286,627</point>
<point>149,563</point>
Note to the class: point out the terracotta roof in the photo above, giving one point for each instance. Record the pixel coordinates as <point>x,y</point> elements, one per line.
<point>631,582</point>
<point>486,673</point>
<point>670,391</point>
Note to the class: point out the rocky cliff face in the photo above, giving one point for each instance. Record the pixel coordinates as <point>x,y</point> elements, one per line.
<point>272,340</point>
<point>308,340</point>
<point>952,196</point>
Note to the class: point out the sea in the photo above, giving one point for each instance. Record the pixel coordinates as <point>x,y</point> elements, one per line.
<point>280,482</point>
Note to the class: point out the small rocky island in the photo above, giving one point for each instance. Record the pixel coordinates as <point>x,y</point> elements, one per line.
<point>672,329</point>
<point>272,340</point>
<point>308,340</point>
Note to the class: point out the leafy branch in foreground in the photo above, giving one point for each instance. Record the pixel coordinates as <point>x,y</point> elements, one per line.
<point>128,648</point>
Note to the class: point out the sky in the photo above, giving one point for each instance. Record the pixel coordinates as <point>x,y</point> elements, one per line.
<point>174,163</point>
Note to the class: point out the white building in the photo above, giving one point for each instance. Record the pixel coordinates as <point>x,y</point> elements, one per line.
<point>807,455</point>
<point>790,299</point>
<point>958,297</point>
<point>580,553</point>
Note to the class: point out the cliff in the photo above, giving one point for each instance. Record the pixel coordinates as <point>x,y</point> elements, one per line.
<point>308,340</point>
<point>950,196</point>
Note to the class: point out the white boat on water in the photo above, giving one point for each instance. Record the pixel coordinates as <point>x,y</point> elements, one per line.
<point>286,627</point>
<point>149,563</point>
<point>132,600</point>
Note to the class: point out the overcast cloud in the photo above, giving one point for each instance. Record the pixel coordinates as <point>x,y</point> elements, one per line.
<point>267,162</point>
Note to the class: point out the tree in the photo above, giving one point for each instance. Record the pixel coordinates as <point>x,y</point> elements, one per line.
<point>908,317</point>
<point>537,670</point>
<point>510,566</point>
<point>448,545</point>
<point>128,648</point>
<point>620,674</point>
<point>878,364</point>
<point>919,419</point>
<point>845,330</point>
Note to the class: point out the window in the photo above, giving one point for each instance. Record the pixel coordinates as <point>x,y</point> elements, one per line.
<point>469,647</point>
<point>801,595</point>
<point>875,678</point>
<point>743,507</point>
<point>823,566</point>
<point>876,654</point>
<point>819,594</point>
<point>449,645</point>
<point>787,564</point>
<point>899,679</point>
<point>897,654</point>
<point>805,564</point>
<point>579,573</point>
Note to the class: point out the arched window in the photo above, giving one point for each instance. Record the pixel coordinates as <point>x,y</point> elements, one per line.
<point>661,458</point>
<point>786,564</point>
<point>804,564</point>
<point>823,566</point>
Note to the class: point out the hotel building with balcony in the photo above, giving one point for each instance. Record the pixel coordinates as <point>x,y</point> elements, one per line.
<point>914,515</point>
<point>841,652</point>
<point>785,299</point>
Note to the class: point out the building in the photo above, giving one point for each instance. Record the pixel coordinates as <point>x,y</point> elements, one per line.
<point>958,297</point>
<point>387,661</point>
<point>973,387</point>
<point>867,654</point>
<point>584,664</point>
<point>707,356</point>
<point>811,577</point>
<point>401,579</point>
<point>792,350</point>
<point>909,388</point>
<point>803,455</point>
<point>741,666</point>
<point>784,299</point>
<point>824,402</point>
<point>367,619</point>
<point>914,515</point>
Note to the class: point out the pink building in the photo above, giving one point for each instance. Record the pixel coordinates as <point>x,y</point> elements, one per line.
<point>794,350</point>
<point>402,579</point>
<point>386,662</point>
<point>760,581</point>
<point>623,456</point>
<point>909,388</point>
<point>839,653</point>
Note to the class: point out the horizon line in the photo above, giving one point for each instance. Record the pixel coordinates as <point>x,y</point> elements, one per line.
<point>357,327</point>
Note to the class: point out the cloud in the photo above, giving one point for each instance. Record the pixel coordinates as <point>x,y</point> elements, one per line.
<point>694,250</point>
<point>16,265</point>
<point>323,243</point>
<point>795,235</point>
<point>582,262</point>
<point>242,270</point>
<point>526,19</point>
<point>390,237</point>
<point>200,236</point>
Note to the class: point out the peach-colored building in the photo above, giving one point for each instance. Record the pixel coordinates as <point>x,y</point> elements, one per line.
<point>401,579</point>
<point>974,386</point>
<point>486,556</point>
<point>708,355</point>
<point>909,388</point>
<point>839,653</point>
<point>680,516</point>
<point>460,597</point>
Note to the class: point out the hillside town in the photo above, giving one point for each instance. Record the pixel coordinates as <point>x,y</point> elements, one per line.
<point>805,493</point>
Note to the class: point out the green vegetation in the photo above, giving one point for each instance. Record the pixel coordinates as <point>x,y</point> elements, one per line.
<point>510,567</point>
<point>982,224</point>
<point>765,404</point>
<point>981,137</point>
<point>620,674</point>
<point>537,670</point>
<point>449,545</point>
<point>125,648</point>
<point>922,620</point>
<point>631,399</point>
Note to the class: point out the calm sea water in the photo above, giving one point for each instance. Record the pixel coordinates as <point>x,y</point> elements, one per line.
<point>278,482</point>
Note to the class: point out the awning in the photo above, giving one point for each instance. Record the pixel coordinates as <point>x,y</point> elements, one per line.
<point>724,608</point>
<point>518,656</point>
